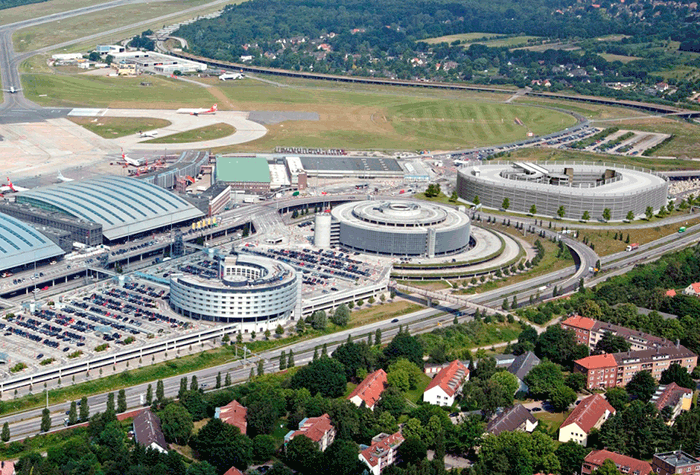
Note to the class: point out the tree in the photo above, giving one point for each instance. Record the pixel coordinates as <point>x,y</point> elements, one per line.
<point>227,380</point>
<point>403,374</point>
<point>353,356</point>
<point>279,330</point>
<point>201,468</point>
<point>586,216</point>
<point>649,212</point>
<point>325,376</point>
<point>517,452</point>
<point>454,196</point>
<point>679,375</point>
<point>630,216</point>
<point>149,395</point>
<point>302,454</point>
<point>406,346</point>
<point>340,458</point>
<point>176,423</point>
<point>283,360</point>
<point>617,397</point>
<point>412,451</point>
<point>638,431</point>
<point>508,381</point>
<point>218,380</point>
<point>5,436</point>
<point>561,397</point>
<point>533,209</point>
<point>319,320</point>
<point>264,409</point>
<point>642,386</point>
<point>261,367</point>
<point>194,384</point>
<point>576,381</point>
<point>544,378</point>
<point>45,420</point>
<point>73,414</point>
<point>607,468</point>
<point>378,337</point>
<point>183,387</point>
<point>121,401</point>
<point>110,403</point>
<point>300,326</point>
<point>222,445</point>
<point>571,455</point>
<point>341,316</point>
<point>611,343</point>
<point>290,359</point>
<point>561,212</point>
<point>607,214</point>
<point>506,204</point>
<point>559,345</point>
<point>392,402</point>
<point>263,448</point>
<point>84,409</point>
<point>160,390</point>
<point>476,200</point>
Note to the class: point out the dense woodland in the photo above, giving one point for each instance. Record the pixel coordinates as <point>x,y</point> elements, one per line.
<point>354,37</point>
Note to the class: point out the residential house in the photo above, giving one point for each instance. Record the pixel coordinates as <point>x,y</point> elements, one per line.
<point>369,391</point>
<point>233,471</point>
<point>147,431</point>
<point>692,289</point>
<point>7,468</point>
<point>446,384</point>
<point>521,367</point>
<point>318,429</point>
<point>625,464</point>
<point>610,370</point>
<point>589,414</point>
<point>233,413</point>
<point>511,419</point>
<point>671,395</point>
<point>382,452</point>
<point>671,293</point>
<point>504,360</point>
<point>671,463</point>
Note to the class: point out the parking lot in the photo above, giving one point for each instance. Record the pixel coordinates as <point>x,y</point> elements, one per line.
<point>97,321</point>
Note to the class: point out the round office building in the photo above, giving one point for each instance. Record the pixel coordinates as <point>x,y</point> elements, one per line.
<point>257,292</point>
<point>402,228</point>
<point>577,187</point>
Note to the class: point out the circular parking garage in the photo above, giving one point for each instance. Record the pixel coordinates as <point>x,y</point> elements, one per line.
<point>251,290</point>
<point>402,228</point>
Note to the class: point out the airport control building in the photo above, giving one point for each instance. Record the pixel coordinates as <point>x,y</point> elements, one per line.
<point>400,228</point>
<point>257,292</point>
<point>578,187</point>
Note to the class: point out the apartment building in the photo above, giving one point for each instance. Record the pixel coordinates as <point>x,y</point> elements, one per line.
<point>382,452</point>
<point>589,332</point>
<point>318,429</point>
<point>626,465</point>
<point>676,462</point>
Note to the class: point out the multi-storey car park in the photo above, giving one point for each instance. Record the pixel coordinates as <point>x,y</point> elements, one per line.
<point>252,291</point>
<point>577,186</point>
<point>401,228</point>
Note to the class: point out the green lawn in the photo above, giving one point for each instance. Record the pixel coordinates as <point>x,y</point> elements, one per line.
<point>617,57</point>
<point>415,395</point>
<point>511,41</point>
<point>210,132</point>
<point>114,127</point>
<point>463,37</point>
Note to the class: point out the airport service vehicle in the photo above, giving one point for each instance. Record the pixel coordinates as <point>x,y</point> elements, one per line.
<point>632,247</point>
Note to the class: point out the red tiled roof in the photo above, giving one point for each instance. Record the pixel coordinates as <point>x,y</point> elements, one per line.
<point>7,468</point>
<point>450,378</point>
<point>597,361</point>
<point>235,414</point>
<point>315,427</point>
<point>370,390</point>
<point>577,321</point>
<point>696,287</point>
<point>375,452</point>
<point>233,471</point>
<point>671,293</point>
<point>669,395</point>
<point>634,466</point>
<point>588,412</point>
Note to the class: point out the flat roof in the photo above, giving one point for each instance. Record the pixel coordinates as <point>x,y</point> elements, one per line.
<point>350,164</point>
<point>123,206</point>
<point>242,169</point>
<point>22,244</point>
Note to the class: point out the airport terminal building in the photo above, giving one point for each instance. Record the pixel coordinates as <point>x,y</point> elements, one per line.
<point>578,187</point>
<point>257,292</point>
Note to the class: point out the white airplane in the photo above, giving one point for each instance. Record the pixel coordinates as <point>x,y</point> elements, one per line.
<point>11,90</point>
<point>134,162</point>
<point>11,187</point>
<point>62,178</point>
<point>212,110</point>
<point>147,134</point>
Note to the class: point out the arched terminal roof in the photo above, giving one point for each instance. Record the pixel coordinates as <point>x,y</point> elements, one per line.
<point>123,206</point>
<point>22,244</point>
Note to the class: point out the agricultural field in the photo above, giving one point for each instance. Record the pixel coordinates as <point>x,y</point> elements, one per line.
<point>510,42</point>
<point>463,37</point>
<point>618,57</point>
<point>202,134</point>
<point>32,38</point>
<point>115,127</point>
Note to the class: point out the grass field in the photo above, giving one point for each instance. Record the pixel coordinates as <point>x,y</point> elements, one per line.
<point>382,311</point>
<point>114,127</point>
<point>510,42</point>
<point>210,132</point>
<point>618,57</point>
<point>35,10</point>
<point>463,37</point>
<point>94,91</point>
<point>590,111</point>
<point>29,39</point>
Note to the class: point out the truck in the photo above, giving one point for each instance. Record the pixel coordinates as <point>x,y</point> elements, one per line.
<point>632,247</point>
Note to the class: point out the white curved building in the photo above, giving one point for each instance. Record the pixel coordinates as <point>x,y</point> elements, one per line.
<point>256,292</point>
<point>402,228</point>
<point>578,187</point>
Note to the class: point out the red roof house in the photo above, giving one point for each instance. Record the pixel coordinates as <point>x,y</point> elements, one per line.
<point>625,464</point>
<point>369,391</point>
<point>589,414</point>
<point>318,429</point>
<point>446,384</point>
<point>233,413</point>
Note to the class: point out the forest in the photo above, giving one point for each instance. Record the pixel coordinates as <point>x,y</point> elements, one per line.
<point>355,38</point>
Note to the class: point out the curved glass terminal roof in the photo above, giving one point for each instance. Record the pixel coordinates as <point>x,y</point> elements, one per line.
<point>21,244</point>
<point>123,206</point>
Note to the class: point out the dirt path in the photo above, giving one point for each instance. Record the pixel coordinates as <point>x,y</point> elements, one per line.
<point>222,100</point>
